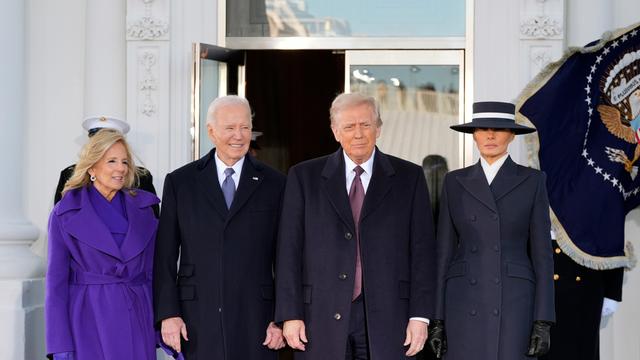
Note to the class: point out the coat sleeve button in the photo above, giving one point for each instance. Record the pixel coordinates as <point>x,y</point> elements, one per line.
<point>348,235</point>
<point>342,276</point>
<point>337,316</point>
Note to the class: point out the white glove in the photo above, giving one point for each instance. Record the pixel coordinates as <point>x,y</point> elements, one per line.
<point>609,307</point>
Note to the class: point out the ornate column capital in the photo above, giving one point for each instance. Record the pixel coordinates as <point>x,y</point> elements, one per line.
<point>542,19</point>
<point>147,20</point>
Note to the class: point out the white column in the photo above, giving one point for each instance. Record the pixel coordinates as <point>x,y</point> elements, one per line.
<point>587,20</point>
<point>148,85</point>
<point>21,270</point>
<point>105,59</point>
<point>625,12</point>
<point>541,34</point>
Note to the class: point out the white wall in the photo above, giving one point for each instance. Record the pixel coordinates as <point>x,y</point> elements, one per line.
<point>54,101</point>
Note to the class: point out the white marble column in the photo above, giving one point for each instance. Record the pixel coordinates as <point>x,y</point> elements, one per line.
<point>625,12</point>
<point>587,20</point>
<point>149,85</point>
<point>21,294</point>
<point>541,36</point>
<point>105,59</point>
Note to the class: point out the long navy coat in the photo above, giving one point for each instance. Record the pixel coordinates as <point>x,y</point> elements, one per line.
<point>223,289</point>
<point>317,254</point>
<point>495,263</point>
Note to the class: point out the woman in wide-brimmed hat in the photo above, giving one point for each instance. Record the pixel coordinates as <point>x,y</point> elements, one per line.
<point>495,264</point>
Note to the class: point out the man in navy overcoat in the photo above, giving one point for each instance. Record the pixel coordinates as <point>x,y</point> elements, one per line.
<point>355,275</point>
<point>219,218</point>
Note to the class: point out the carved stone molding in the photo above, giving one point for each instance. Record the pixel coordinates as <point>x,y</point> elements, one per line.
<point>147,28</point>
<point>540,58</point>
<point>148,83</point>
<point>541,35</point>
<point>542,19</point>
<point>541,27</point>
<point>143,24</point>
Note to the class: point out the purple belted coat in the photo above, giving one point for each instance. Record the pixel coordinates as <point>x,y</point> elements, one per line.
<point>98,295</point>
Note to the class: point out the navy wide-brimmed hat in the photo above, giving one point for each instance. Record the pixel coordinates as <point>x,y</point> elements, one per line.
<point>493,115</point>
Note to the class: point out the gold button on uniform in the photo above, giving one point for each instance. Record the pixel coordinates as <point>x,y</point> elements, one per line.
<point>558,251</point>
<point>556,276</point>
<point>578,278</point>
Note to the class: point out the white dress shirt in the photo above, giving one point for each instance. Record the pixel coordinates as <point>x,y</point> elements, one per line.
<point>350,173</point>
<point>491,170</point>
<point>365,177</point>
<point>221,167</point>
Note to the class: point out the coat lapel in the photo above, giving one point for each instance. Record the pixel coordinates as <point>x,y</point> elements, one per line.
<point>250,178</point>
<point>334,186</point>
<point>86,226</point>
<point>475,182</point>
<point>506,179</point>
<point>141,225</point>
<point>379,185</point>
<point>209,184</point>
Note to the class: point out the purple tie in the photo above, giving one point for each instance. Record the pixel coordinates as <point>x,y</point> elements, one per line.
<point>356,198</point>
<point>228,187</point>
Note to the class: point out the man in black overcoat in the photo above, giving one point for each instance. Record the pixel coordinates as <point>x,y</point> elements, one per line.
<point>355,276</point>
<point>219,220</point>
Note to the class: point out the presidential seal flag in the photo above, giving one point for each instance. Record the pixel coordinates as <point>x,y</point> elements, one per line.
<point>586,108</point>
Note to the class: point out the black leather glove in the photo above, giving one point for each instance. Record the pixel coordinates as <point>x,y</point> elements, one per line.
<point>540,340</point>
<point>437,338</point>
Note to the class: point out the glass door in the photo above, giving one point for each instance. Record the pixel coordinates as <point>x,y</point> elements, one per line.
<point>421,93</point>
<point>216,71</point>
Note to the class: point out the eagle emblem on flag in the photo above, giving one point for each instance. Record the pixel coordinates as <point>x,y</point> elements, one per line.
<point>586,108</point>
<point>620,107</point>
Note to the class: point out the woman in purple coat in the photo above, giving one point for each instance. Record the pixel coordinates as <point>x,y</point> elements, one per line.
<point>101,239</point>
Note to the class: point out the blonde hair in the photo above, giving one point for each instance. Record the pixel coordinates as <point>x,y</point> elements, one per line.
<point>350,100</point>
<point>92,152</point>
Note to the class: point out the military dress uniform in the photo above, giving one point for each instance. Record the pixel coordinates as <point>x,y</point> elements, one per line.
<point>579,293</point>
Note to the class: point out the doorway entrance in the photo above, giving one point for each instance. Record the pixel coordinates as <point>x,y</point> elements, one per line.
<point>290,92</point>
<point>420,93</point>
